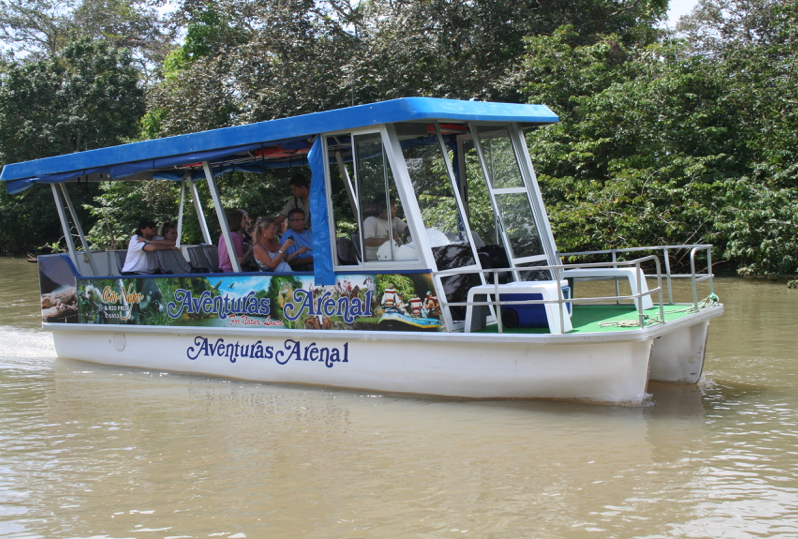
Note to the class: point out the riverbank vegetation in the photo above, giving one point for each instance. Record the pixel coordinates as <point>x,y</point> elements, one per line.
<point>673,137</point>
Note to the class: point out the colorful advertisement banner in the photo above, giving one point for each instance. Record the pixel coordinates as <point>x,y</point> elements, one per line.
<point>392,302</point>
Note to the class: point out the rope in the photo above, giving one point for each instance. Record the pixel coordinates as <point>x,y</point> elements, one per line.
<point>710,301</point>
<point>647,321</point>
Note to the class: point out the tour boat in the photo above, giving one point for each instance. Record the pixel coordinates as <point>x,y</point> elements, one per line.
<point>476,302</point>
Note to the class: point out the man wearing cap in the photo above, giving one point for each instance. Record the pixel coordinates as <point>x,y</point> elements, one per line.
<point>141,243</point>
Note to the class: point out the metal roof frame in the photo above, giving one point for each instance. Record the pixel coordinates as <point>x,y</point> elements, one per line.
<point>160,158</point>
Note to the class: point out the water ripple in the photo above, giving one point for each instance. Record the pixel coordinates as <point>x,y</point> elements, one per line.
<point>95,451</point>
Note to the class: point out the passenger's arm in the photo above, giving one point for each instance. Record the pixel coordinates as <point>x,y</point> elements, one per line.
<point>374,242</point>
<point>294,261</point>
<point>167,243</point>
<point>158,245</point>
<point>370,237</point>
<point>238,247</point>
<point>262,255</point>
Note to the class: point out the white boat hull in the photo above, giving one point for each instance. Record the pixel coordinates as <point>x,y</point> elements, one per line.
<point>678,356</point>
<point>605,368</point>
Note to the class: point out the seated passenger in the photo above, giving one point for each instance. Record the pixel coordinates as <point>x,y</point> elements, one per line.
<point>269,255</point>
<point>167,234</point>
<point>282,226</point>
<point>235,221</point>
<point>247,229</point>
<point>303,241</point>
<point>141,242</point>
<point>377,230</point>
<point>247,226</point>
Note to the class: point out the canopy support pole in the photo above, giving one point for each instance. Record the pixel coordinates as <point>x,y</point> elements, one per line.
<point>198,206</point>
<point>79,228</point>
<point>350,190</point>
<point>59,205</point>
<point>180,211</point>
<point>217,204</point>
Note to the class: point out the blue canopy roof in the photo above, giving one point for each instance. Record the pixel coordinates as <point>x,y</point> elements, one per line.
<point>145,159</point>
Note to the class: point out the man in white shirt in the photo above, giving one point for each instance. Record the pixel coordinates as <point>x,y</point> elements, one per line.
<point>136,260</point>
<point>378,230</point>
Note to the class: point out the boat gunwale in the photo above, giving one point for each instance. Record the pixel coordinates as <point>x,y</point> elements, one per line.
<point>632,334</point>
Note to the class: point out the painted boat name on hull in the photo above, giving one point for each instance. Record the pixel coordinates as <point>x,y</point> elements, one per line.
<point>291,350</point>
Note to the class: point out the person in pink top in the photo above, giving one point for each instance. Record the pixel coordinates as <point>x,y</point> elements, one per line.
<point>236,220</point>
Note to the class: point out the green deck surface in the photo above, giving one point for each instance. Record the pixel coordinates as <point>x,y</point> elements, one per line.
<point>588,318</point>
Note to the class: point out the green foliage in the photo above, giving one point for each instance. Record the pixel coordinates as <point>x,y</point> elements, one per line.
<point>401,283</point>
<point>243,62</point>
<point>761,225</point>
<point>658,145</point>
<point>717,26</point>
<point>87,96</point>
<point>120,206</point>
<point>34,30</point>
<point>209,31</point>
<point>463,49</point>
<point>660,141</point>
<point>29,221</point>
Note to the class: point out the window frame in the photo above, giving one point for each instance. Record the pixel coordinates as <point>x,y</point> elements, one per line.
<point>401,179</point>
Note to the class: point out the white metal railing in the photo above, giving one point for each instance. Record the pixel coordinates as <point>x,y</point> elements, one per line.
<point>559,273</point>
<point>694,277</point>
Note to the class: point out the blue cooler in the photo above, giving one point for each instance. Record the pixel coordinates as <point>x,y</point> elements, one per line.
<point>528,316</point>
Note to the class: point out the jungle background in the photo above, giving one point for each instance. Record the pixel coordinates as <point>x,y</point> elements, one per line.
<point>672,136</point>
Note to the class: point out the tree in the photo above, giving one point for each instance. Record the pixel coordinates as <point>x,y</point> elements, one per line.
<point>260,59</point>
<point>86,97</point>
<point>32,30</point>
<point>446,48</point>
<point>715,26</point>
<point>659,144</point>
<point>244,62</point>
<point>33,27</point>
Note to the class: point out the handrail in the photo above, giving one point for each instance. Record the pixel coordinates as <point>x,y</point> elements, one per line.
<point>669,276</point>
<point>704,277</point>
<point>634,249</point>
<point>558,277</point>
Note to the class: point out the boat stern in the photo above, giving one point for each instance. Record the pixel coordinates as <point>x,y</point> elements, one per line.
<point>678,356</point>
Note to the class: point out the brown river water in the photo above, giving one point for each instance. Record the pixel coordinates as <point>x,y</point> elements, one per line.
<point>89,451</point>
